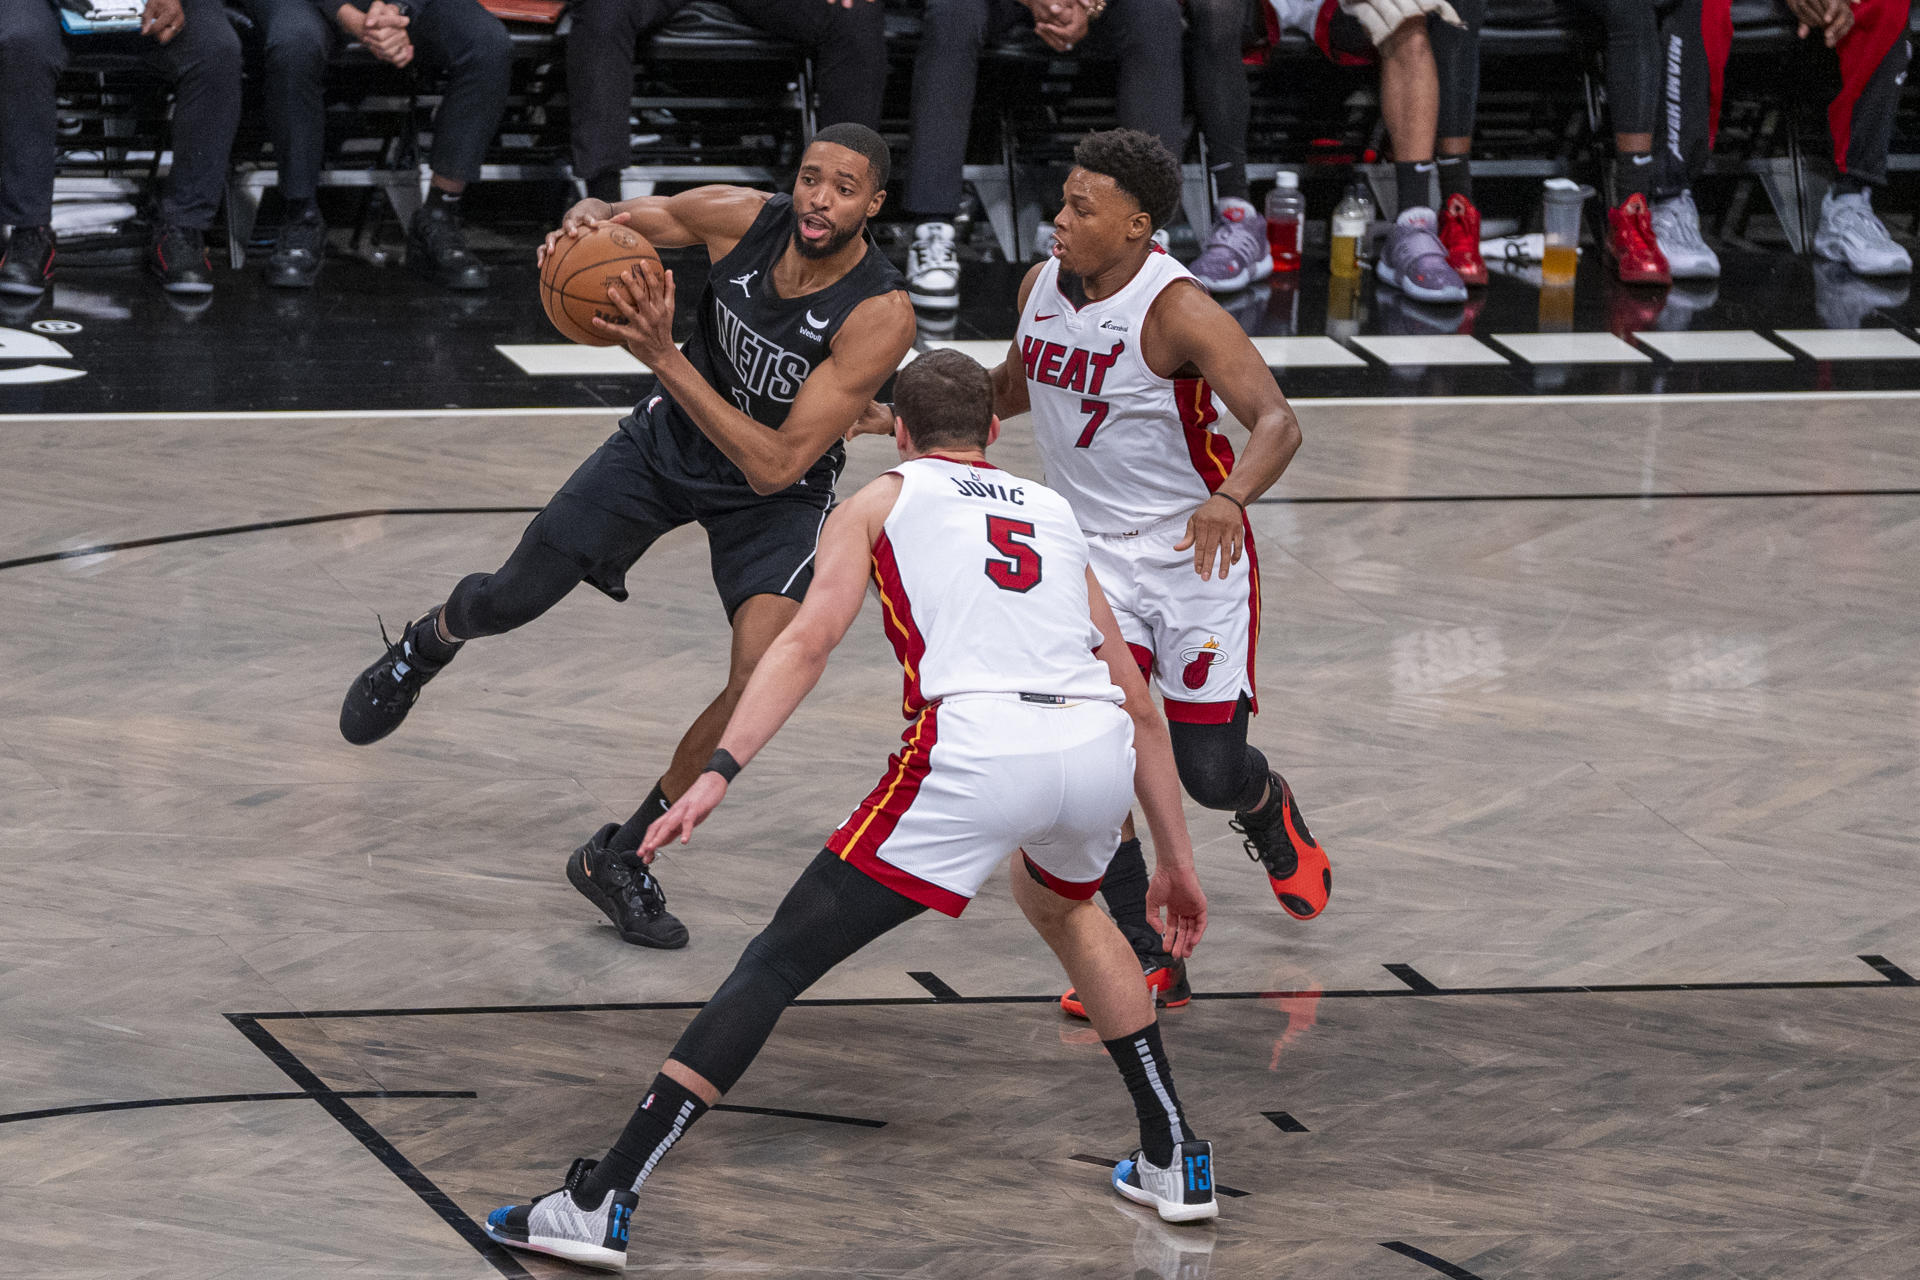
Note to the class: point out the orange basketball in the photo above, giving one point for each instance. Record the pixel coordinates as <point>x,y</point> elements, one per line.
<point>573,283</point>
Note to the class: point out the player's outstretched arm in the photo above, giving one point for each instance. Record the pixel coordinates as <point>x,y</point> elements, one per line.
<point>1010,376</point>
<point>715,216</point>
<point>1175,887</point>
<point>793,663</point>
<point>1187,329</point>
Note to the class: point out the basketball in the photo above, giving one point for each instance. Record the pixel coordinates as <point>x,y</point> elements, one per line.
<point>573,282</point>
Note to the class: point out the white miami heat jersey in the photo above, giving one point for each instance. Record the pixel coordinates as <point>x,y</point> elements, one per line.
<point>1125,446</point>
<point>983,587</point>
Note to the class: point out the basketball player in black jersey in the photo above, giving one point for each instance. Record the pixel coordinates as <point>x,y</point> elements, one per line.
<point>802,321</point>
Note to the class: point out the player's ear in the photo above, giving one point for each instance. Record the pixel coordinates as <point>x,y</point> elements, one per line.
<point>901,440</point>
<point>993,430</point>
<point>873,205</point>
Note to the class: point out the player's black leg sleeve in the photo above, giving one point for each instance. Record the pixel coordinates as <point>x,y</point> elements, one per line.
<point>1456,56</point>
<point>831,912</point>
<point>1217,766</point>
<point>533,580</point>
<point>1125,889</point>
<point>1633,62</point>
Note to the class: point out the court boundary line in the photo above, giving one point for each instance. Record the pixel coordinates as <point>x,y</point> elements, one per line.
<point>219,1099</point>
<point>338,1105</point>
<point>1331,402</point>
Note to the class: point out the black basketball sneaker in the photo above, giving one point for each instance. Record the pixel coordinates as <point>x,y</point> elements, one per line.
<point>1166,978</point>
<point>621,885</point>
<point>381,696</point>
<point>557,1225</point>
<point>1277,837</point>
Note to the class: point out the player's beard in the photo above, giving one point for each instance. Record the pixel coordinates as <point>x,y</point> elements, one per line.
<point>828,247</point>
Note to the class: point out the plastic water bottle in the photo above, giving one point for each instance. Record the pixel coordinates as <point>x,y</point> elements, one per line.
<point>1350,222</point>
<point>1286,207</point>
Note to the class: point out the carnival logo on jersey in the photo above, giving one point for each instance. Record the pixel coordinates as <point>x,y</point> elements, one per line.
<point>1198,661</point>
<point>1070,368</point>
<point>762,367</point>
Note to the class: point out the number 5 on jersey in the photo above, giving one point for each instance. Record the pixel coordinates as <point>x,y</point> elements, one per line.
<point>1020,571</point>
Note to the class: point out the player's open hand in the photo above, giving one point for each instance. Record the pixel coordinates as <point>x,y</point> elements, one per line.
<point>688,812</point>
<point>643,295</point>
<point>1216,531</point>
<point>1176,907</point>
<point>580,219</point>
<point>874,420</point>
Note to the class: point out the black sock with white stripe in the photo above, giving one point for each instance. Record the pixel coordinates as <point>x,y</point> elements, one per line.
<point>668,1110</point>
<point>1143,1065</point>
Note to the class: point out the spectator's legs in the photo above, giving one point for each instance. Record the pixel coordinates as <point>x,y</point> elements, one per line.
<point>1139,33</point>
<point>849,49</point>
<point>944,75</point>
<point>1219,83</point>
<point>1633,86</point>
<point>1873,66</point>
<point>1410,102</point>
<point>204,64</point>
<point>1456,58</point>
<point>297,38</point>
<point>600,84</point>
<point>31,56</point>
<point>473,47</point>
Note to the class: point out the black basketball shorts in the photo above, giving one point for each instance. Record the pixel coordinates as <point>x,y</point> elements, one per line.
<point>639,485</point>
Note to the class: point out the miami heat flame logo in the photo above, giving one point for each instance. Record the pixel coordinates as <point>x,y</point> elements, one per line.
<point>1199,662</point>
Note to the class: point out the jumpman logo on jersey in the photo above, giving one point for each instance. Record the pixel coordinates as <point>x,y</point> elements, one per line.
<point>742,281</point>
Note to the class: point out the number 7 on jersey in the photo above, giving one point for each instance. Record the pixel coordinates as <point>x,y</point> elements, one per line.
<point>1023,573</point>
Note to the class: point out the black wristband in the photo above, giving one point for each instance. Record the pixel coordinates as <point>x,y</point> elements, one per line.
<point>723,763</point>
<point>1230,498</point>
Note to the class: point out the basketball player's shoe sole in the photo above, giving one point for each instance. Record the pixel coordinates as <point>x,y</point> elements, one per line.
<point>1298,869</point>
<point>622,886</point>
<point>1181,1192</point>
<point>557,1226</point>
<point>1166,978</point>
<point>380,697</point>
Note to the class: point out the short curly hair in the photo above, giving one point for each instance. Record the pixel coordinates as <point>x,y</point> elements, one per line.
<point>1139,165</point>
<point>946,400</point>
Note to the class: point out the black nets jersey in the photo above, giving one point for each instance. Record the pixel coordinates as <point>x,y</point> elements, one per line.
<point>757,348</point>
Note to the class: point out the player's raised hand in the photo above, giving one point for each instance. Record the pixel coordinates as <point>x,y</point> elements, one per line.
<point>874,420</point>
<point>1215,530</point>
<point>688,812</point>
<point>643,295</point>
<point>1177,907</point>
<point>580,219</point>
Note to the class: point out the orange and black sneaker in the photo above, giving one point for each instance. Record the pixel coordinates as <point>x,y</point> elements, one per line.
<point>1166,978</point>
<point>1278,839</point>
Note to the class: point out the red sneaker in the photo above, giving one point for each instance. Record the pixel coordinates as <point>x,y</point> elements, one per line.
<point>1297,868</point>
<point>1630,239</point>
<point>1460,233</point>
<point>1166,978</point>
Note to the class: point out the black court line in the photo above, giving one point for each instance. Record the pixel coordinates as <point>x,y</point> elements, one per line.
<point>217,1099</point>
<point>1284,1121</point>
<point>785,1114</point>
<point>1412,977</point>
<point>294,522</point>
<point>382,1150</point>
<point>262,526</point>
<point>1895,974</point>
<point>941,991</point>
<point>1452,1270</point>
<point>1225,1190</point>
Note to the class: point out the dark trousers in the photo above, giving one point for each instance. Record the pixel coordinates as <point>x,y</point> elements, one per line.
<point>1217,83</point>
<point>1633,63</point>
<point>848,46</point>
<point>1698,34</point>
<point>203,64</point>
<point>456,37</point>
<point>1143,35</point>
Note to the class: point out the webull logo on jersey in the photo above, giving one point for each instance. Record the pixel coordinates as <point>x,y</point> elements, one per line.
<point>762,368</point>
<point>1198,661</point>
<point>1071,368</point>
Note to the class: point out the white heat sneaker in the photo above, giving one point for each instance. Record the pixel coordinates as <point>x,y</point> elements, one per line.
<point>1852,233</point>
<point>1676,225</point>
<point>933,271</point>
<point>1182,1192</point>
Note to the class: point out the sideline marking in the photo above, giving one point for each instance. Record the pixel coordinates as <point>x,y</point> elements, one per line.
<point>1452,1271</point>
